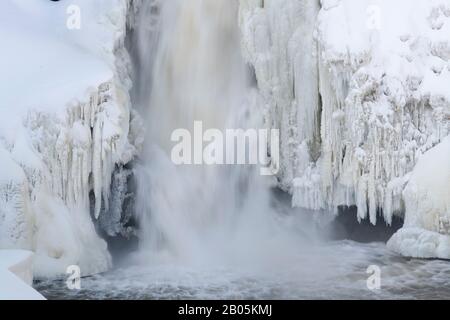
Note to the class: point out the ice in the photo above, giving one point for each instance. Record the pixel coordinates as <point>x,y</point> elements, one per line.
<point>277,39</point>
<point>344,266</point>
<point>358,104</point>
<point>16,276</point>
<point>359,90</point>
<point>64,125</point>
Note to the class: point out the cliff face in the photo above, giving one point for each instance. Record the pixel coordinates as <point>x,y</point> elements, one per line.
<point>359,103</point>
<point>65,125</point>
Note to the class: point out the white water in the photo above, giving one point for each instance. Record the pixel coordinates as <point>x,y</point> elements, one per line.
<point>202,215</point>
<point>211,232</point>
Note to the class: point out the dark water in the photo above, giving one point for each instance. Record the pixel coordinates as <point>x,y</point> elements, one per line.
<point>342,277</point>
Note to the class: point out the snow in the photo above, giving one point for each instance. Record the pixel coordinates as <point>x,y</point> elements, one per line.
<point>64,125</point>
<point>16,276</point>
<point>32,51</point>
<point>426,232</point>
<point>381,70</point>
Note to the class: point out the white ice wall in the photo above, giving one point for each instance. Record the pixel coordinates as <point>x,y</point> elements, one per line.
<point>360,93</point>
<point>358,106</point>
<point>381,69</point>
<point>64,124</point>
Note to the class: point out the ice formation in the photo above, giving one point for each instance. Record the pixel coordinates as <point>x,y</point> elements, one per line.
<point>16,276</point>
<point>426,232</point>
<point>65,125</point>
<point>359,103</point>
<point>359,89</point>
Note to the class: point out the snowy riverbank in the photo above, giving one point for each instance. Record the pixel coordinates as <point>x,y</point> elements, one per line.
<point>64,126</point>
<point>16,276</point>
<point>363,110</point>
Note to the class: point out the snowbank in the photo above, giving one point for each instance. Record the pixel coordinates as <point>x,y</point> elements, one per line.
<point>359,103</point>
<point>64,125</point>
<point>16,276</point>
<point>426,232</point>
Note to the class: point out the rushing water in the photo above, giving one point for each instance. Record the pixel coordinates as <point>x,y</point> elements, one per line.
<point>400,279</point>
<point>213,232</point>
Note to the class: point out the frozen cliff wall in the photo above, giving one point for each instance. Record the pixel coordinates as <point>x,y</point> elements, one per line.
<point>65,125</point>
<point>357,104</point>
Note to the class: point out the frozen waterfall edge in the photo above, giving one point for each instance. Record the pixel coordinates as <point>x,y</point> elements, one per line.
<point>353,133</point>
<point>358,132</point>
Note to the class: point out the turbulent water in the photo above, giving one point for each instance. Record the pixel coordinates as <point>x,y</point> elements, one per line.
<point>400,279</point>
<point>217,232</point>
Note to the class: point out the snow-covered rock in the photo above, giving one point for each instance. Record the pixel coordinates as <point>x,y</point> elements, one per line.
<point>358,104</point>
<point>64,125</point>
<point>16,276</point>
<point>426,232</point>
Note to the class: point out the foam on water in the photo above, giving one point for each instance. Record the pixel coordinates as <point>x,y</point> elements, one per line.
<point>400,279</point>
<point>217,232</point>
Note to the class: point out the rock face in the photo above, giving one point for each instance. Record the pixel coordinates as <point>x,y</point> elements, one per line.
<point>62,133</point>
<point>359,103</point>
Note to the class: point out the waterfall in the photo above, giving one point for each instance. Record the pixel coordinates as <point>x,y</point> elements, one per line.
<point>190,69</point>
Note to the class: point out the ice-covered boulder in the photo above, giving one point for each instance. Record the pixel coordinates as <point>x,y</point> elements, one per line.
<point>358,104</point>
<point>426,232</point>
